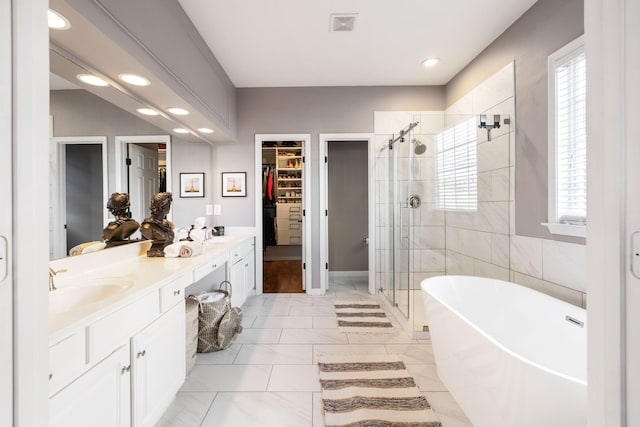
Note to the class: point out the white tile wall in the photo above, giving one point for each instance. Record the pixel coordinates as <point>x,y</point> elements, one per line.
<point>564,263</point>
<point>526,255</point>
<point>495,89</point>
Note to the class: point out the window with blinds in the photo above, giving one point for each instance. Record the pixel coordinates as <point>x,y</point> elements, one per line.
<point>457,167</point>
<point>570,139</point>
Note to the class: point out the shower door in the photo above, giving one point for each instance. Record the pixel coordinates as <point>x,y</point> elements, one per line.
<point>406,204</point>
<point>399,207</point>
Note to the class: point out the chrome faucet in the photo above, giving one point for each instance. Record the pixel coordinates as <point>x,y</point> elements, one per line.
<point>52,273</point>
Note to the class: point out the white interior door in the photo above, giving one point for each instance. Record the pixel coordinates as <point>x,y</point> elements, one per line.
<point>143,179</point>
<point>632,133</point>
<point>6,294</point>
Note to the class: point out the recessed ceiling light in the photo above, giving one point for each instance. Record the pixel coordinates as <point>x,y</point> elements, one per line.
<point>147,111</point>
<point>430,62</point>
<point>178,111</point>
<point>92,80</point>
<point>205,130</point>
<point>57,21</point>
<point>180,130</point>
<point>134,79</point>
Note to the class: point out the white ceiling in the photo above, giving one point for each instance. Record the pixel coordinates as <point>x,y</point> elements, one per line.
<point>280,43</point>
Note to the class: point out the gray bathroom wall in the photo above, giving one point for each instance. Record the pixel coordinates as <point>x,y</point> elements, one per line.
<point>307,110</point>
<point>80,113</point>
<point>348,205</point>
<point>544,28</point>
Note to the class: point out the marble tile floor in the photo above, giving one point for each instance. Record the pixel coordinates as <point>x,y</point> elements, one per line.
<point>269,376</point>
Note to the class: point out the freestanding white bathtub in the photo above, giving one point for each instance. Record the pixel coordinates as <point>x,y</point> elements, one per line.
<point>510,356</point>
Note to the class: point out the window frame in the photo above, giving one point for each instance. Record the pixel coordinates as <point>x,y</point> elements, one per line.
<point>568,51</point>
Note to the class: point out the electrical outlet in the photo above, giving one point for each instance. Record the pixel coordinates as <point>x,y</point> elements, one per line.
<point>209,209</point>
<point>217,209</point>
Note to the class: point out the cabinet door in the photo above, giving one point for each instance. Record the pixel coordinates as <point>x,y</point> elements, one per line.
<point>250,272</point>
<point>237,279</point>
<point>157,359</point>
<point>101,397</point>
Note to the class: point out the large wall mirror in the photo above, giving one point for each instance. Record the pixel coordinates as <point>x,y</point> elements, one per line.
<point>86,170</point>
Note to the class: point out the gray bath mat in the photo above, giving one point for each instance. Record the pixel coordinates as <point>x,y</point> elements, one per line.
<point>371,391</point>
<point>365,316</point>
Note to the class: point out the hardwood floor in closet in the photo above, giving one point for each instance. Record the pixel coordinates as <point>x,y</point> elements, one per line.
<point>282,277</point>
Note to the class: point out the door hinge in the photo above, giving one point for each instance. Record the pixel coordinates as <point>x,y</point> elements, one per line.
<point>326,159</point>
<point>326,212</point>
<point>127,161</point>
<point>326,265</point>
<point>304,212</point>
<point>304,265</point>
<point>302,159</point>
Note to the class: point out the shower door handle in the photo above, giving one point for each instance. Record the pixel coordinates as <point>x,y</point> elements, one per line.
<point>402,236</point>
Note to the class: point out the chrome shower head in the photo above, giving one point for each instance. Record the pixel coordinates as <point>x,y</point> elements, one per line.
<point>420,148</point>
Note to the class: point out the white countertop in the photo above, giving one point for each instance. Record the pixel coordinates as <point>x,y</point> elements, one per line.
<point>126,264</point>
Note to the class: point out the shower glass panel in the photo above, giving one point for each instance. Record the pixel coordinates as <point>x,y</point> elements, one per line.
<point>400,204</point>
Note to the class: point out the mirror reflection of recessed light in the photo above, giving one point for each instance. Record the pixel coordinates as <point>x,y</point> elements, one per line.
<point>134,79</point>
<point>430,62</point>
<point>180,130</point>
<point>147,111</point>
<point>92,80</point>
<point>205,130</point>
<point>57,21</point>
<point>178,111</point>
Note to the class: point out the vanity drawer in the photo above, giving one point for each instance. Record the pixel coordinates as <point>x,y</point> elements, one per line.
<point>209,266</point>
<point>113,330</point>
<point>67,360</point>
<point>237,253</point>
<point>173,292</point>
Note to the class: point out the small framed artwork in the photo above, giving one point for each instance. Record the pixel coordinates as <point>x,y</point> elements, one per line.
<point>234,184</point>
<point>192,184</point>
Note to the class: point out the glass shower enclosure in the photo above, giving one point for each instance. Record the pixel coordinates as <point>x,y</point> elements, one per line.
<point>401,195</point>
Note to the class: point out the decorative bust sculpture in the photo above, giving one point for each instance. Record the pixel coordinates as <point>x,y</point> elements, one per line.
<point>118,231</point>
<point>157,227</point>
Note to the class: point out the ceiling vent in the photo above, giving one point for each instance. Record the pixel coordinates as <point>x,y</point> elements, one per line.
<point>343,22</point>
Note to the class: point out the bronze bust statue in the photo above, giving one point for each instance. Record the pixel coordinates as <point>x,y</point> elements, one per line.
<point>157,227</point>
<point>117,232</point>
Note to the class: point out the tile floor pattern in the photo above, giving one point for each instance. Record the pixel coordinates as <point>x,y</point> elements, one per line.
<point>269,376</point>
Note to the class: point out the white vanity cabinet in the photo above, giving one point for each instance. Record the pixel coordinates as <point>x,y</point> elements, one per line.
<point>157,366</point>
<point>123,364</point>
<point>133,385</point>
<point>242,272</point>
<point>101,397</point>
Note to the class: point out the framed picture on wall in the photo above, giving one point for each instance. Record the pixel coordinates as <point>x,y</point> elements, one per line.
<point>192,184</point>
<point>234,184</point>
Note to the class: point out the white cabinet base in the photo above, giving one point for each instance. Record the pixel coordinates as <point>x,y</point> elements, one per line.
<point>99,398</point>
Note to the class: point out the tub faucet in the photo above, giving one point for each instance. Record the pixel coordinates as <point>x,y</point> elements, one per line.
<point>52,273</point>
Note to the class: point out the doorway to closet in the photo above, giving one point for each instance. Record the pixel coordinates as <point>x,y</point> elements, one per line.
<point>282,190</point>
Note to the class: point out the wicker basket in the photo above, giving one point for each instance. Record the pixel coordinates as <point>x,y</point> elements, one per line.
<point>191,333</point>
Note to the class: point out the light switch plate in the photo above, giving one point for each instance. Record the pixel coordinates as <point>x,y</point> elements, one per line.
<point>209,209</point>
<point>217,209</point>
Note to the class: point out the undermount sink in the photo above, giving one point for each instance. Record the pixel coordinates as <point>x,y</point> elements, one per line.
<point>86,293</point>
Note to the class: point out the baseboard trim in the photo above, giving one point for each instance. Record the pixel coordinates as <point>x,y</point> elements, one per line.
<point>348,274</point>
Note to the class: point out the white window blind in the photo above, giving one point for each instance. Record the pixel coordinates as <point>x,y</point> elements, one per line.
<point>457,167</point>
<point>571,141</point>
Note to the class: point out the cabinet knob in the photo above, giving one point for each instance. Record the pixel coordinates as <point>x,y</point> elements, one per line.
<point>50,376</point>
<point>141,353</point>
<point>214,266</point>
<point>126,369</point>
<point>176,292</point>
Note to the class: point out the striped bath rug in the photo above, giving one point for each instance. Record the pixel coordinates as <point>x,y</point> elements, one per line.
<point>371,391</point>
<point>362,316</point>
